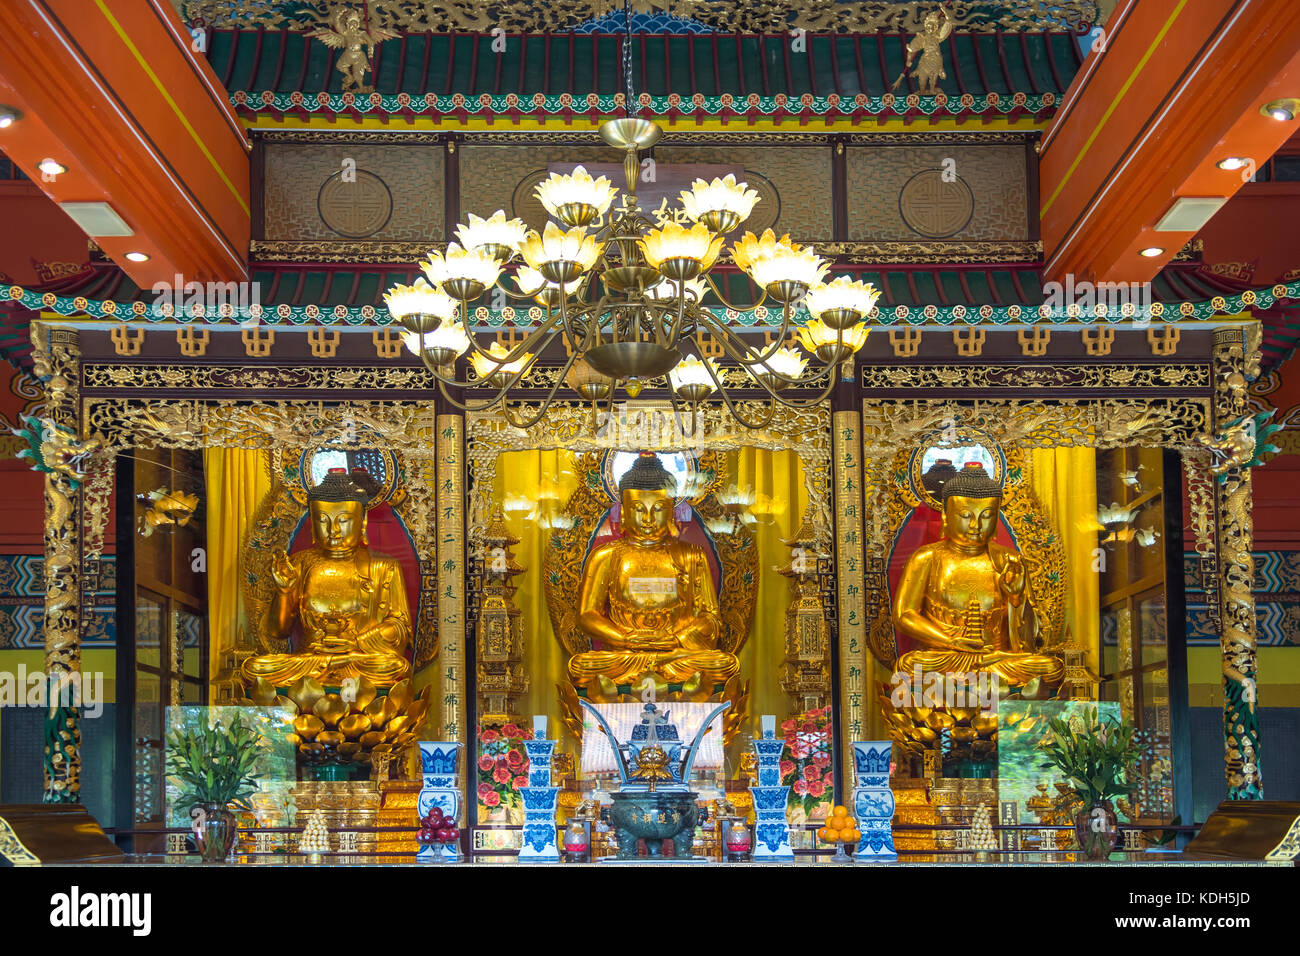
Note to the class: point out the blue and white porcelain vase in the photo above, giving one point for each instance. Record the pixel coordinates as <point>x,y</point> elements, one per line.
<point>873,800</point>
<point>439,788</point>
<point>771,827</point>
<point>540,802</point>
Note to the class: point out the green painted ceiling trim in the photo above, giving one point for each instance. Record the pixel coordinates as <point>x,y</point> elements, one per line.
<point>510,104</point>
<point>760,318</point>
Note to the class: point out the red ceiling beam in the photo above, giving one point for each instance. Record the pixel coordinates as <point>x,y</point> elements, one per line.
<point>115,93</point>
<point>1177,88</point>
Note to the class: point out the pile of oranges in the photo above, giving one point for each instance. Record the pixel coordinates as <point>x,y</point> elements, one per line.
<point>840,828</point>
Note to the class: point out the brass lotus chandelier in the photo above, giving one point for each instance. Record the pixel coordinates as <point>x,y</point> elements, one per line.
<point>628,298</point>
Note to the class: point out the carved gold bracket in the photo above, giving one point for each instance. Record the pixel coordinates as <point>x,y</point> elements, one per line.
<point>1034,341</point>
<point>906,342</point>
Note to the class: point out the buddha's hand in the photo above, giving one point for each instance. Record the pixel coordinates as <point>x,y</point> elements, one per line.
<point>283,571</point>
<point>1012,576</point>
<point>650,641</point>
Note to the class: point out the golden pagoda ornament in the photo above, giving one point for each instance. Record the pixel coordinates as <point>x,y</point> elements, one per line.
<point>806,678</point>
<point>501,677</point>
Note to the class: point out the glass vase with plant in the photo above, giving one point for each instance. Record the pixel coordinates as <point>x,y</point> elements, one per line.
<point>214,767</point>
<point>1097,757</point>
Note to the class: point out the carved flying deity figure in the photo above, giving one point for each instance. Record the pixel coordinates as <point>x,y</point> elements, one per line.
<point>929,43</point>
<point>647,598</point>
<point>965,598</point>
<point>349,603</point>
<point>348,33</point>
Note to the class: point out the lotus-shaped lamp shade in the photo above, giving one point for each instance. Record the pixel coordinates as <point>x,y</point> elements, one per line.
<point>820,339</point>
<point>1114,514</point>
<point>558,255</point>
<point>575,198</point>
<point>419,298</point>
<point>681,253</point>
<point>782,268</point>
<point>441,346</point>
<point>842,302</point>
<point>587,382</point>
<point>498,236</point>
<point>784,361</point>
<point>722,205</point>
<point>497,373</point>
<point>531,282</point>
<point>666,289</point>
<point>462,273</point>
<point>690,379</point>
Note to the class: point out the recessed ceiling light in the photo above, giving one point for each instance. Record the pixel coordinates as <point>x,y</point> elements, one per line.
<point>1283,110</point>
<point>138,256</point>
<point>1232,162</point>
<point>51,167</point>
<point>9,115</point>
<point>1151,252</point>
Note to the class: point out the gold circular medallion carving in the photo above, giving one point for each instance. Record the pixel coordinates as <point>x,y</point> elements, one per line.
<point>355,208</point>
<point>933,207</point>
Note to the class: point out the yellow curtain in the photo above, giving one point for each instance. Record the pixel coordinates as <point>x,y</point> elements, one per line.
<point>780,500</point>
<point>1065,481</point>
<point>237,481</point>
<point>529,485</point>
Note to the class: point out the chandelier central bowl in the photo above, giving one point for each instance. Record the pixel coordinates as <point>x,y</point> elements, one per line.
<point>628,360</point>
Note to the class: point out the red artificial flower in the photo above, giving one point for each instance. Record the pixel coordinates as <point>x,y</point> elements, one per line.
<point>488,736</point>
<point>787,725</point>
<point>816,789</point>
<point>484,789</point>
<point>501,775</point>
<point>514,758</point>
<point>492,799</point>
<point>510,730</point>
<point>809,727</point>
<point>787,768</point>
<point>811,773</point>
<point>485,763</point>
<point>801,787</point>
<point>521,782</point>
<point>821,760</point>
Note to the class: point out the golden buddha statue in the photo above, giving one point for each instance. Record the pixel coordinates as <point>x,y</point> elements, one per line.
<point>349,602</point>
<point>965,598</point>
<point>648,598</point>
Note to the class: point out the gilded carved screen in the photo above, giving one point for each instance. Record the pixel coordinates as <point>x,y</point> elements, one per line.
<point>391,192</point>
<point>924,192</point>
<point>793,183</point>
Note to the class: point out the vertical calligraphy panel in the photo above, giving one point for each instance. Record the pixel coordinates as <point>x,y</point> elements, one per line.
<point>847,454</point>
<point>452,680</point>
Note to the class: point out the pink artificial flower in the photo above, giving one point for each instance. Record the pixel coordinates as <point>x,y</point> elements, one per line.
<point>514,758</point>
<point>492,799</point>
<point>821,760</point>
<point>816,789</point>
<point>811,773</point>
<point>501,775</point>
<point>484,789</point>
<point>801,787</point>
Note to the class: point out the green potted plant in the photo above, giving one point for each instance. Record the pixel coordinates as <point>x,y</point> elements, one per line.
<point>1097,758</point>
<point>214,768</point>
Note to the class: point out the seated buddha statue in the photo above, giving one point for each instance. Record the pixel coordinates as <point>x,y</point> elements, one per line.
<point>647,599</point>
<point>349,603</point>
<point>965,598</point>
